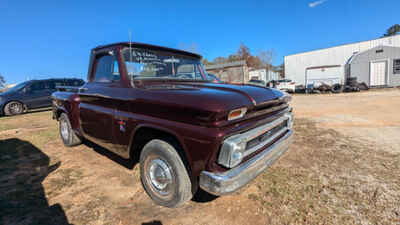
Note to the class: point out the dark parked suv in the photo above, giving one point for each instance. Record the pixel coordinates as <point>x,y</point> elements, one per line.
<point>32,94</point>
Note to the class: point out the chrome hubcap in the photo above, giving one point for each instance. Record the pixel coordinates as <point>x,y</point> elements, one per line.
<point>15,108</point>
<point>64,129</point>
<point>160,176</point>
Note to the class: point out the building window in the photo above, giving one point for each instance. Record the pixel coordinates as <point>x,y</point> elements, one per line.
<point>379,51</point>
<point>396,66</point>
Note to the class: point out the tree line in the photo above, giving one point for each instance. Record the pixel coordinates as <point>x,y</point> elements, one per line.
<point>262,60</point>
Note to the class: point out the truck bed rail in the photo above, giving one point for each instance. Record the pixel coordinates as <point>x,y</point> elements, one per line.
<point>73,89</point>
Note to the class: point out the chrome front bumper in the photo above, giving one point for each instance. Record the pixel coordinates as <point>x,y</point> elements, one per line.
<point>233,179</point>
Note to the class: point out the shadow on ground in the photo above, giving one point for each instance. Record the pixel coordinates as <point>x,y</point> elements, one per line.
<point>155,222</point>
<point>127,163</point>
<point>22,199</point>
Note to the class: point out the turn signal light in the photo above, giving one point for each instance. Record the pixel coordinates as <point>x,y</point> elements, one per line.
<point>237,113</point>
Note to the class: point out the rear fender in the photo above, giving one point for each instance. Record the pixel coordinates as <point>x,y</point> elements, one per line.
<point>68,106</point>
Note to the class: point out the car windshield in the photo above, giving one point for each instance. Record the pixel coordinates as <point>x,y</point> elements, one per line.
<point>152,64</point>
<point>17,87</point>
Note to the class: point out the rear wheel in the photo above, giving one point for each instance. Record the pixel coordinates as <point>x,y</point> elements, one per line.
<point>67,134</point>
<point>164,175</point>
<point>13,108</point>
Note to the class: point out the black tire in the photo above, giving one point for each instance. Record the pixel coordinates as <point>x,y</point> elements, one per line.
<point>156,156</point>
<point>363,86</point>
<point>13,108</point>
<point>337,88</point>
<point>68,135</point>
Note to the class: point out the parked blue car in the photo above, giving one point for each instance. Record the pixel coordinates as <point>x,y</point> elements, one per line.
<point>32,94</point>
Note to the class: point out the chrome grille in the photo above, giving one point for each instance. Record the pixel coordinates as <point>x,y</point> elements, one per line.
<point>263,137</point>
<point>269,132</point>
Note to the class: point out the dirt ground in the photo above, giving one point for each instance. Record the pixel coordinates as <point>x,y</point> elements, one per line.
<point>343,168</point>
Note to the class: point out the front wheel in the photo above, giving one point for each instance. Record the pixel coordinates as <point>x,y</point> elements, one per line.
<point>164,175</point>
<point>67,134</point>
<point>13,108</point>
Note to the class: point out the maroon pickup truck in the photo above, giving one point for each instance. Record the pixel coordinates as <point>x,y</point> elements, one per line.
<point>155,105</point>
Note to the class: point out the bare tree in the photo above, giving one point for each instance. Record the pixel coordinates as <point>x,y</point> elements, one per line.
<point>266,57</point>
<point>206,62</point>
<point>2,82</point>
<point>243,52</point>
<point>219,60</point>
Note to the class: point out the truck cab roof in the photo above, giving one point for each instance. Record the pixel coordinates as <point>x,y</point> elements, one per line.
<point>149,46</point>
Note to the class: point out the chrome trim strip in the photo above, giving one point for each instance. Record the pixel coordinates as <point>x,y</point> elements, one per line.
<point>233,179</point>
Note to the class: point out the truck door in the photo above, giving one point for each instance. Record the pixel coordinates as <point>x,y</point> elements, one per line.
<point>96,108</point>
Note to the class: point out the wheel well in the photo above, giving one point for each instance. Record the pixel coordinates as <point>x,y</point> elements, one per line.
<point>145,134</point>
<point>58,113</point>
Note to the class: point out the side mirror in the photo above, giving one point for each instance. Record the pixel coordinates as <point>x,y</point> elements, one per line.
<point>27,90</point>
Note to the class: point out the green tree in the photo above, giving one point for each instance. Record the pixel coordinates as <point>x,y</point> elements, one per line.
<point>2,81</point>
<point>393,30</point>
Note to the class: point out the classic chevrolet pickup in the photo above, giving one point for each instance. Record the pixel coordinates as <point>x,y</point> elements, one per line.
<point>156,106</point>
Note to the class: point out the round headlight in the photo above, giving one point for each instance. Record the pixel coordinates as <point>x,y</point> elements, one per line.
<point>231,153</point>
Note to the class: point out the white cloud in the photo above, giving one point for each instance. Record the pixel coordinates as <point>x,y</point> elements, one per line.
<point>313,4</point>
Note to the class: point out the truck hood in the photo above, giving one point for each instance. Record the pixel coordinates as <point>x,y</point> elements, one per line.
<point>212,101</point>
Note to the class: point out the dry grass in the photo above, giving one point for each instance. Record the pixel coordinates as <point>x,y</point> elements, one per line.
<point>330,179</point>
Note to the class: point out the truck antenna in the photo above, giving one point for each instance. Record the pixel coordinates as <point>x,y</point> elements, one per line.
<point>130,46</point>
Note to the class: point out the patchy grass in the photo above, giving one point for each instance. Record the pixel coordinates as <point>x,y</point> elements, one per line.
<point>330,179</point>
<point>32,120</point>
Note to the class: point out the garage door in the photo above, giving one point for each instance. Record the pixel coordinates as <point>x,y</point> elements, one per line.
<point>378,73</point>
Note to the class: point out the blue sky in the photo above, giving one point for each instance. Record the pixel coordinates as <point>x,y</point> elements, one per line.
<point>42,39</point>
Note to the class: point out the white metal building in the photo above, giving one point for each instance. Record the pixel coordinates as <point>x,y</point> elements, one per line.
<point>330,64</point>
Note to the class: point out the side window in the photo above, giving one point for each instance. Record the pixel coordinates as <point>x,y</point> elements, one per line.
<point>51,85</point>
<point>58,83</point>
<point>104,69</point>
<point>71,82</point>
<point>115,74</point>
<point>37,86</point>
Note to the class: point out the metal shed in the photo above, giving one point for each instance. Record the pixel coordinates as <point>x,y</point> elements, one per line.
<point>379,66</point>
<point>235,72</point>
<point>296,64</point>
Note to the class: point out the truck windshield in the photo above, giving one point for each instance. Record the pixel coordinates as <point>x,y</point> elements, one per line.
<point>151,64</point>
